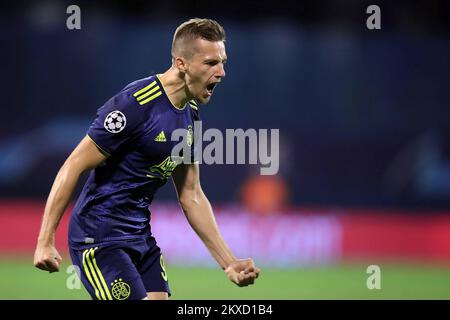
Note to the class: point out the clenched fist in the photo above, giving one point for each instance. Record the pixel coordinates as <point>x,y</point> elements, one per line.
<point>47,258</point>
<point>242,272</point>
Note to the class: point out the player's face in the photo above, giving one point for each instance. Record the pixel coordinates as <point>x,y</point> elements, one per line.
<point>205,69</point>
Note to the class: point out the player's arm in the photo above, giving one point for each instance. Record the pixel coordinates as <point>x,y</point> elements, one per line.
<point>84,157</point>
<point>199,213</point>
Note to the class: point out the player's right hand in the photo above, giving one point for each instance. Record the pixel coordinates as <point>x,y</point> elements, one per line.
<point>47,258</point>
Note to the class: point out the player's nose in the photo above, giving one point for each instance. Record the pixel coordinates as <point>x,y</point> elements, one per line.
<point>220,72</point>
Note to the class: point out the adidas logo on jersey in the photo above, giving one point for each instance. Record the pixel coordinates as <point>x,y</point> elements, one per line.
<point>161,137</point>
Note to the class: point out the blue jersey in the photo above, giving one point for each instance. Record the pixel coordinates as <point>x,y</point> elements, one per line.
<point>134,129</point>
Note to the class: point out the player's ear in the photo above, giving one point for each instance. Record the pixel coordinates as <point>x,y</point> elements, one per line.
<point>180,64</point>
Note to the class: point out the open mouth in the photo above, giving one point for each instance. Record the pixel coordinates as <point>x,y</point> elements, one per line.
<point>210,87</point>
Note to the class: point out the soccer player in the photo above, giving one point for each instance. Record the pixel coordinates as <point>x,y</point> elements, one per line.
<point>128,150</point>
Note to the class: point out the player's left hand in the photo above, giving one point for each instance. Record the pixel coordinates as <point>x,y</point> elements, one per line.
<point>242,272</point>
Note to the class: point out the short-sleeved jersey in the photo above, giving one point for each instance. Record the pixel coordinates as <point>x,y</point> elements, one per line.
<point>134,129</point>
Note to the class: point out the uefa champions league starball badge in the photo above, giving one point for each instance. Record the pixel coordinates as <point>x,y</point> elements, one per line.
<point>115,122</point>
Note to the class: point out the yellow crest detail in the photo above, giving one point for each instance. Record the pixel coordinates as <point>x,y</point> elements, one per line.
<point>190,136</point>
<point>120,289</point>
<point>165,168</point>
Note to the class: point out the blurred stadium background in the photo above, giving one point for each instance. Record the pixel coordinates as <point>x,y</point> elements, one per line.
<point>364,123</point>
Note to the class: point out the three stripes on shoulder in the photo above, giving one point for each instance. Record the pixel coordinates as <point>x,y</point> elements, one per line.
<point>193,104</point>
<point>148,93</point>
<point>153,91</point>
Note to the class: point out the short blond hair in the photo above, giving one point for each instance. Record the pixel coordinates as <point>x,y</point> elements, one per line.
<point>192,29</point>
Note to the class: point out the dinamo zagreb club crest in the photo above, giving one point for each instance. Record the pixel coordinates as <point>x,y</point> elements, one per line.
<point>120,289</point>
<point>190,136</point>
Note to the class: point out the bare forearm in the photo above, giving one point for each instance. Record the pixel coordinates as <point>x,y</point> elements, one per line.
<point>58,199</point>
<point>200,216</point>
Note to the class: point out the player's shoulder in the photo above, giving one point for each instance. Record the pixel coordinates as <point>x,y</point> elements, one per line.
<point>125,105</point>
<point>135,94</point>
<point>143,91</point>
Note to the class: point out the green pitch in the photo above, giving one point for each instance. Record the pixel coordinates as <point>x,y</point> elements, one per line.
<point>20,280</point>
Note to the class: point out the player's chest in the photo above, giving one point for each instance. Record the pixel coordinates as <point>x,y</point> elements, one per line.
<point>166,132</point>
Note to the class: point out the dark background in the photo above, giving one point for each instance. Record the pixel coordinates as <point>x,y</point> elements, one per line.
<point>363,114</point>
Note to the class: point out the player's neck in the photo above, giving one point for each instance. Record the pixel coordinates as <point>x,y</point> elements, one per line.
<point>175,87</point>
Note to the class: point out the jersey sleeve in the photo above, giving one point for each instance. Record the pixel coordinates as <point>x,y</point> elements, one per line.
<point>117,122</point>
